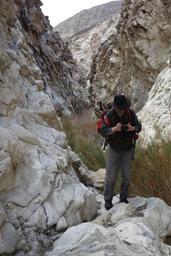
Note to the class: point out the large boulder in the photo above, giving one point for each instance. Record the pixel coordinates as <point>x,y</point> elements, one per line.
<point>156,114</point>
<point>126,229</point>
<point>38,182</point>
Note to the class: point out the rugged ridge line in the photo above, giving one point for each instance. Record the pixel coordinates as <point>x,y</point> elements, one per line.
<point>87,19</point>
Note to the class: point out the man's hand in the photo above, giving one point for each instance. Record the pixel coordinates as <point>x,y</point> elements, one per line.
<point>130,128</point>
<point>117,128</point>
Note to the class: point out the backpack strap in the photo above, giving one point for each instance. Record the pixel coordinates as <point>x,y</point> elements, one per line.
<point>129,114</point>
<point>101,120</point>
<point>136,136</point>
<point>106,120</point>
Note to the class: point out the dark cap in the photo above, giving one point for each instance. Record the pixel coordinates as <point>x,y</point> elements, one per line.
<point>120,102</point>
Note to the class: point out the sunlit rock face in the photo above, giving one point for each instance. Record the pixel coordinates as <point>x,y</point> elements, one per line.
<point>87,30</point>
<point>156,114</point>
<point>40,189</point>
<point>130,60</point>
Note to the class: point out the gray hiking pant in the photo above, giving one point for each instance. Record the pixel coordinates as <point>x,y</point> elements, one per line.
<point>116,161</point>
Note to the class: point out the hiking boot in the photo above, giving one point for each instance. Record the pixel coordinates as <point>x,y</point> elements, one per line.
<point>124,201</point>
<point>108,205</point>
<point>124,193</point>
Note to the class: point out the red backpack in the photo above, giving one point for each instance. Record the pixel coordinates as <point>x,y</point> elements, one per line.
<point>102,113</point>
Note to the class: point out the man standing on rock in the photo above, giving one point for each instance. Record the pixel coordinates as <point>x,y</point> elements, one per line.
<point>119,127</point>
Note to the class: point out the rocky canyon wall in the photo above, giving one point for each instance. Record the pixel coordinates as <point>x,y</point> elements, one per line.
<point>44,186</point>
<point>130,60</point>
<point>86,30</point>
<point>40,189</point>
<point>85,45</point>
<point>135,60</point>
<point>54,59</point>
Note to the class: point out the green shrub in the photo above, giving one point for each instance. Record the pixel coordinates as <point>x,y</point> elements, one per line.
<point>81,137</point>
<point>151,171</point>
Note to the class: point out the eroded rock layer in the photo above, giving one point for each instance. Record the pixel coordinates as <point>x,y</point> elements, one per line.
<point>59,71</point>
<point>130,60</point>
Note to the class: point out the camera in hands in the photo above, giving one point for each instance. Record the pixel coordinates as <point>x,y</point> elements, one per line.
<point>124,127</point>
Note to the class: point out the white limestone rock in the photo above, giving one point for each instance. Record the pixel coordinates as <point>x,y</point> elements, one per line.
<point>6,171</point>
<point>9,238</point>
<point>99,178</point>
<point>85,45</point>
<point>126,229</point>
<point>79,200</point>
<point>40,192</point>
<point>40,103</point>
<point>156,114</point>
<point>124,239</point>
<point>37,180</point>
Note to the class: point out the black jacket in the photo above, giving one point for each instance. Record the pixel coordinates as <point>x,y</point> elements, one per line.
<point>122,140</point>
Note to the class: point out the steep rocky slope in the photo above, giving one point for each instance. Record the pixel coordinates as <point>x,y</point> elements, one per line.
<point>87,30</point>
<point>156,114</point>
<point>130,60</point>
<point>58,69</point>
<point>85,45</point>
<point>40,189</point>
<point>86,19</point>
